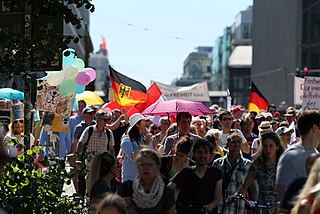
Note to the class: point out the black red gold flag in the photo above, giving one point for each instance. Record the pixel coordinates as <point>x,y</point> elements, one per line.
<point>127,91</point>
<point>257,101</point>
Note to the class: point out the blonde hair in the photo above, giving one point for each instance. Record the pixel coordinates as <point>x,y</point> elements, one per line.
<point>112,200</point>
<point>101,166</point>
<point>308,190</point>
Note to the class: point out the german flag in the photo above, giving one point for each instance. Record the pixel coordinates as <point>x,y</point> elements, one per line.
<point>127,91</point>
<point>257,101</point>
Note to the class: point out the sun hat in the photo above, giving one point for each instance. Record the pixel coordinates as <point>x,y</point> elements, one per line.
<point>264,126</point>
<point>266,114</point>
<point>136,117</point>
<point>283,130</point>
<point>290,112</point>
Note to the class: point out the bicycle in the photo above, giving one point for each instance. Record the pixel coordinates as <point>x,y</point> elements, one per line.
<point>253,206</point>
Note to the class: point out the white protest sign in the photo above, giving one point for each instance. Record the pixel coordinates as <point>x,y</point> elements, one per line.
<point>311,93</point>
<point>298,91</point>
<point>196,92</point>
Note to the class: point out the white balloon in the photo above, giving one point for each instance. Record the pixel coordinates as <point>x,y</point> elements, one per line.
<point>55,79</point>
<point>70,72</point>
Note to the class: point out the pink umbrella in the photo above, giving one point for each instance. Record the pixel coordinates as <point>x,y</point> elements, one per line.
<point>172,107</point>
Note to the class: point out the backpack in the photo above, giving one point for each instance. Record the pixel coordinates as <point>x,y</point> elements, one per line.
<point>85,147</point>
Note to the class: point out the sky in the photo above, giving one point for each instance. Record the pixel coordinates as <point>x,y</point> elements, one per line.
<point>149,40</point>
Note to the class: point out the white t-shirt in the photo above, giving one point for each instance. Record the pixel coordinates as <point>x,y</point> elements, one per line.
<point>224,137</point>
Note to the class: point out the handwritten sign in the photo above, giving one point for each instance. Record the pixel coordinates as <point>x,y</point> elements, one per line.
<point>311,93</point>
<point>298,91</point>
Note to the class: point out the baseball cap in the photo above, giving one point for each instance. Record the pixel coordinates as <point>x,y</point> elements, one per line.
<point>87,110</point>
<point>237,108</point>
<point>283,130</point>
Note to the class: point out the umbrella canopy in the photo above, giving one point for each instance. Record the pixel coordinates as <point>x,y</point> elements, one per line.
<point>11,94</point>
<point>90,97</point>
<point>172,107</point>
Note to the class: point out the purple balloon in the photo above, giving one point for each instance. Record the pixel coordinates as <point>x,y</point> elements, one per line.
<point>83,78</point>
<point>91,72</point>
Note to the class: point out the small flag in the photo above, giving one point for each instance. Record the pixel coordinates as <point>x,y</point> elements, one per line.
<point>257,101</point>
<point>127,91</point>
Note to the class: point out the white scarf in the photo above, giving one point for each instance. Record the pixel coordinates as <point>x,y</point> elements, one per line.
<point>147,200</point>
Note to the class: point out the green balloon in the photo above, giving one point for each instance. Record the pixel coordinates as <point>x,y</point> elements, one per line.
<point>79,64</point>
<point>68,87</point>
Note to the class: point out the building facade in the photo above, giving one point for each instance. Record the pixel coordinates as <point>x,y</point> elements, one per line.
<point>278,48</point>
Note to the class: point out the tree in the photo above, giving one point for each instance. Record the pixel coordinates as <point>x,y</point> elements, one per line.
<point>24,50</point>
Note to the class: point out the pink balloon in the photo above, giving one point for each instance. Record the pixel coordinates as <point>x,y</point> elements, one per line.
<point>83,78</point>
<point>91,72</point>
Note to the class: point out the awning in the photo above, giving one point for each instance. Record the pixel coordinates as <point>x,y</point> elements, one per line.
<point>241,57</point>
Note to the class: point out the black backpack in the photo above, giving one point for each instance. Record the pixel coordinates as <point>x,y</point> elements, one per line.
<point>85,147</point>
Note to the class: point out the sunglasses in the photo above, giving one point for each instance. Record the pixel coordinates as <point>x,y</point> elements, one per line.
<point>90,113</point>
<point>105,119</point>
<point>157,128</point>
<point>18,121</point>
<point>226,119</point>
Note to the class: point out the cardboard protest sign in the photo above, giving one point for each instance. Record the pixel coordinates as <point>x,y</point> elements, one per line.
<point>57,107</point>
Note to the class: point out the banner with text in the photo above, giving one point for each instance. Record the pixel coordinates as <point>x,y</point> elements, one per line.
<point>311,93</point>
<point>196,92</point>
<point>298,91</point>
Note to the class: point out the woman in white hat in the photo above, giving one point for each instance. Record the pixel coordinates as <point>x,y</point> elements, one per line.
<point>131,144</point>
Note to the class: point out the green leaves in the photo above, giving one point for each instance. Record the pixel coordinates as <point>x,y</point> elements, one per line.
<point>40,188</point>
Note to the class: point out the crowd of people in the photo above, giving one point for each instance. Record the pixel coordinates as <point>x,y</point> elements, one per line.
<point>190,164</point>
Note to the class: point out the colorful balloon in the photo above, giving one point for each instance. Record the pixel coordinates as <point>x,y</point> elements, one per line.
<point>70,72</point>
<point>69,56</point>
<point>80,89</point>
<point>68,87</point>
<point>91,72</point>
<point>83,78</point>
<point>79,64</point>
<point>55,78</point>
